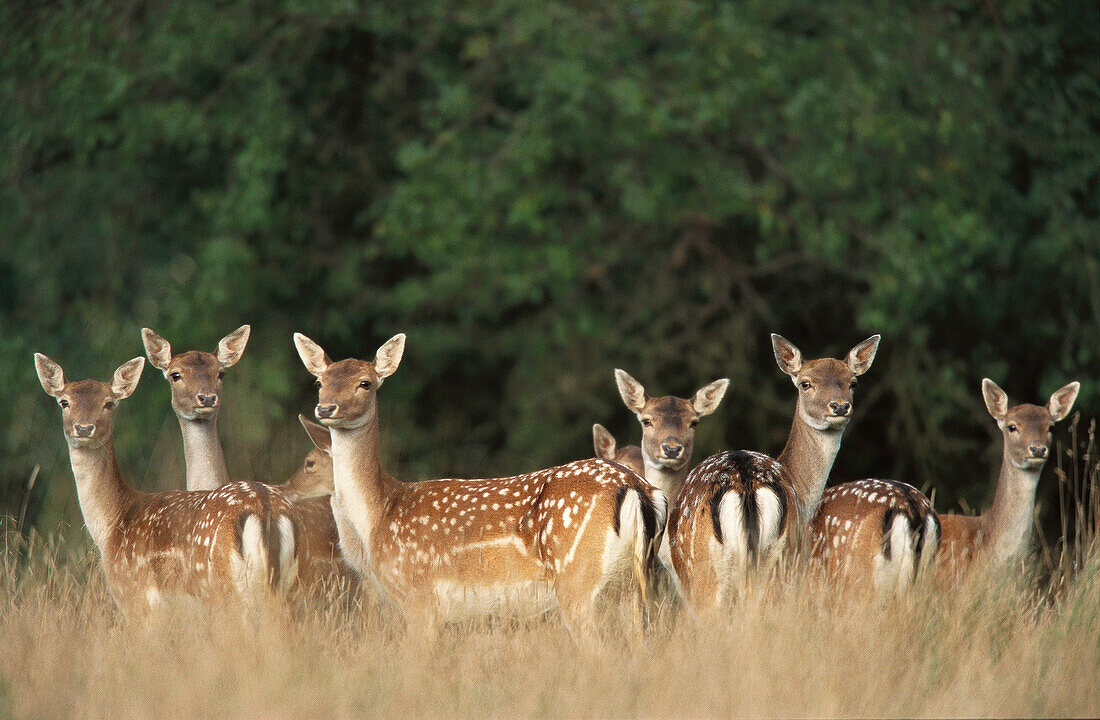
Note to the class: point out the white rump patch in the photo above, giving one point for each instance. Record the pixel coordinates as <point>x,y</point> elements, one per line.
<point>250,567</point>
<point>769,508</point>
<point>896,574</point>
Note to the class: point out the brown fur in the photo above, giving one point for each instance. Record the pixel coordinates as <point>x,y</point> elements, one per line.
<point>1002,533</point>
<point>714,558</point>
<point>769,503</point>
<point>458,547</point>
<point>155,545</point>
<point>668,430</point>
<point>629,456</point>
<point>195,374</point>
<point>313,478</point>
<point>852,533</point>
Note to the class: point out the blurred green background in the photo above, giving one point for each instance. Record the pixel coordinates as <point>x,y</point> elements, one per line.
<point>538,193</point>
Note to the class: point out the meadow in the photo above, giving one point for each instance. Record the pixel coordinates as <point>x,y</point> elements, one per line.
<point>1025,642</point>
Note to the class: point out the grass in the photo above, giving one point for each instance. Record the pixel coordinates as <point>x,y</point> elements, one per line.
<point>1023,644</point>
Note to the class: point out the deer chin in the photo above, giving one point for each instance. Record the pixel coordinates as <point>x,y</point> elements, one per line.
<point>342,422</point>
<point>1030,464</point>
<point>83,442</point>
<point>672,464</point>
<point>199,413</point>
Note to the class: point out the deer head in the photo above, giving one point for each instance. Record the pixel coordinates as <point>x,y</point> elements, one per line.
<point>825,386</point>
<point>668,423</point>
<point>313,477</point>
<point>347,389</point>
<point>195,377</point>
<point>86,405</point>
<point>1026,428</point>
<point>608,449</point>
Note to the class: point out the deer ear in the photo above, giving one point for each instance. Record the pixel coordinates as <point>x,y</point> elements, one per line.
<point>604,442</point>
<point>318,433</point>
<point>996,401</point>
<point>861,356</point>
<point>787,356</point>
<point>126,378</point>
<point>231,347</point>
<point>50,375</point>
<point>157,348</point>
<point>389,356</point>
<point>631,391</point>
<point>1061,402</point>
<point>707,398</point>
<point>313,357</point>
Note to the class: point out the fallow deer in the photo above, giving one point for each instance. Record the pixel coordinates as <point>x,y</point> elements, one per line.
<point>668,434</point>
<point>1001,534</point>
<point>629,456</point>
<point>563,536</point>
<point>739,511</point>
<point>313,478</point>
<point>234,542</point>
<point>876,532</point>
<point>195,378</point>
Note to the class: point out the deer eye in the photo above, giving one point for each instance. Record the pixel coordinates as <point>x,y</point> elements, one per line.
<point>63,403</point>
<point>852,385</point>
<point>109,405</point>
<point>1011,427</point>
<point>221,374</point>
<point>317,384</point>
<point>365,384</point>
<point>174,377</point>
<point>310,464</point>
<point>693,423</point>
<point>646,422</point>
<point>805,384</point>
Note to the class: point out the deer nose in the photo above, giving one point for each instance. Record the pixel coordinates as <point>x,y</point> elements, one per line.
<point>1037,451</point>
<point>672,450</point>
<point>84,430</point>
<point>840,409</point>
<point>326,411</point>
<point>207,400</point>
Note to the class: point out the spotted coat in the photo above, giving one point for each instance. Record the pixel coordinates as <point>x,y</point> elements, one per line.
<point>880,531</point>
<point>539,535</point>
<point>233,542</point>
<point>735,515</point>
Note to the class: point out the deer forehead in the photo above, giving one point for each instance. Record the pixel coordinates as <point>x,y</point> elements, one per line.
<point>84,394</point>
<point>827,370</point>
<point>348,372</point>
<point>669,410</point>
<point>1029,418</point>
<point>195,362</point>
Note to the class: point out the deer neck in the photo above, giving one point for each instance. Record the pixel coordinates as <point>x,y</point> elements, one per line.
<point>808,456</point>
<point>361,487</point>
<point>1007,523</point>
<point>667,481</point>
<point>202,454</point>
<point>100,489</point>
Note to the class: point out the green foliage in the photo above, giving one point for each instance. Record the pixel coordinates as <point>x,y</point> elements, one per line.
<point>538,193</point>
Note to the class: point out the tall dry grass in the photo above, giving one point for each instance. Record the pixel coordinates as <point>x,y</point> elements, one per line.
<point>1023,643</point>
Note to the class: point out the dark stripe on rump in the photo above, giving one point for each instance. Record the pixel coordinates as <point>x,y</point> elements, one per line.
<point>649,514</point>
<point>887,521</point>
<point>620,496</point>
<point>738,474</point>
<point>271,540</point>
<point>240,532</point>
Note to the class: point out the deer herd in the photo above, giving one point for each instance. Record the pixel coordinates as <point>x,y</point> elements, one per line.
<point>635,527</point>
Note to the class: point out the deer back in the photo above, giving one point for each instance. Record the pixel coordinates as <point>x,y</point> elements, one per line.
<point>738,503</point>
<point>876,530</point>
